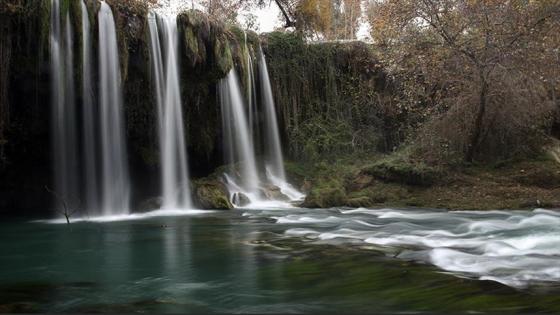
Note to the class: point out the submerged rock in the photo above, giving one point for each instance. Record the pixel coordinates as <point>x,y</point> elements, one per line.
<point>211,194</point>
<point>240,199</point>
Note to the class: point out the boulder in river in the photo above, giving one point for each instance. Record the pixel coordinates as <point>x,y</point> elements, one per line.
<point>272,192</point>
<point>211,194</point>
<point>240,199</point>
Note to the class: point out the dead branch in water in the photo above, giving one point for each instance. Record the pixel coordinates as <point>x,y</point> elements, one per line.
<point>66,214</point>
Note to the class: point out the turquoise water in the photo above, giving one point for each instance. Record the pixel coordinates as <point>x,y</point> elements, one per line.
<point>285,261</point>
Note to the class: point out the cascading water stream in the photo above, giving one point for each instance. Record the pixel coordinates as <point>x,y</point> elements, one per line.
<point>175,177</point>
<point>274,159</point>
<point>252,96</point>
<point>63,107</point>
<point>89,121</point>
<point>242,129</point>
<point>237,138</point>
<point>115,178</point>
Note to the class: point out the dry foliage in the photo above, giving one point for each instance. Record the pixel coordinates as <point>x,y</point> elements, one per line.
<point>479,71</point>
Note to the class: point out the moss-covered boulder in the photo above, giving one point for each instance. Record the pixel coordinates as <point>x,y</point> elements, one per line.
<point>326,196</point>
<point>212,194</point>
<point>401,171</point>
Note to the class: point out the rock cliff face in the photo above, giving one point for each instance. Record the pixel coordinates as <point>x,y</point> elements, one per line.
<point>331,99</point>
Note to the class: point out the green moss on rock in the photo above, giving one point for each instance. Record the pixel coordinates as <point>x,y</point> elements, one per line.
<point>402,171</point>
<point>211,194</point>
<point>326,198</point>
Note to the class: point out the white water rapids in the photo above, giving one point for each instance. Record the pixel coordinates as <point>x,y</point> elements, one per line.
<point>515,248</point>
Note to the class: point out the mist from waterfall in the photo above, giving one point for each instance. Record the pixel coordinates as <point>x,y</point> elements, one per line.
<point>238,144</point>
<point>65,155</point>
<point>173,154</point>
<point>89,121</point>
<point>114,175</point>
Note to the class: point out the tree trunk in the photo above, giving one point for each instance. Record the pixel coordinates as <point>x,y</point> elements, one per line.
<point>474,142</point>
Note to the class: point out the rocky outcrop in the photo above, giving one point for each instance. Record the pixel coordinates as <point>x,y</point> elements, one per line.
<point>211,194</point>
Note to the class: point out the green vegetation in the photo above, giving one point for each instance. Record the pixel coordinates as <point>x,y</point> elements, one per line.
<point>395,181</point>
<point>334,97</point>
<point>399,169</point>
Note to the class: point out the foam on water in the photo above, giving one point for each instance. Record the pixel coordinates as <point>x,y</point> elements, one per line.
<point>295,219</point>
<point>516,248</point>
<point>256,201</point>
<point>129,217</point>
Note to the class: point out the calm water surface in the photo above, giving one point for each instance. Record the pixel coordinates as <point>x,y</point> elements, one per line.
<point>286,261</point>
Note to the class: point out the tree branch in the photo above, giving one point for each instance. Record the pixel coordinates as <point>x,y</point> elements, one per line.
<point>289,22</point>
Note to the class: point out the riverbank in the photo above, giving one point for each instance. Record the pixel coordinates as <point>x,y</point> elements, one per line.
<point>391,181</point>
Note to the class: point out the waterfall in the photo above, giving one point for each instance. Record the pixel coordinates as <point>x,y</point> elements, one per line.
<point>237,138</point>
<point>242,130</point>
<point>173,155</point>
<point>274,160</point>
<point>114,175</point>
<point>273,149</point>
<point>89,137</point>
<point>252,96</point>
<point>65,155</point>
